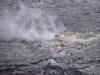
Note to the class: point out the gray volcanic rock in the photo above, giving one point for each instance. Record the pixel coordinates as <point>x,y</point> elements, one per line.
<point>75,54</point>
<point>28,58</point>
<point>77,15</point>
<point>60,56</point>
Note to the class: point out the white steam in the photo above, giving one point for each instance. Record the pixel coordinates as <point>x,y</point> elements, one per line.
<point>28,23</point>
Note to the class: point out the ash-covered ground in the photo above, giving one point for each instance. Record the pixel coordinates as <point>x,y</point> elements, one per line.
<point>68,54</point>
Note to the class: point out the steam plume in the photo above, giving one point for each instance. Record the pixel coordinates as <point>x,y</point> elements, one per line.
<point>28,23</point>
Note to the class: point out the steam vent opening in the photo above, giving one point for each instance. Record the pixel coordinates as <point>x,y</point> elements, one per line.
<point>49,37</point>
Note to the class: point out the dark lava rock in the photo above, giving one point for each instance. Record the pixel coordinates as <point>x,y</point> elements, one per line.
<point>51,70</point>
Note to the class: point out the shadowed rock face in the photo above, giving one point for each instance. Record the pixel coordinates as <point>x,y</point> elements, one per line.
<point>50,70</point>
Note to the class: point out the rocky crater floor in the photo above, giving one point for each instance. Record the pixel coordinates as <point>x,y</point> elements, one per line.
<point>67,54</point>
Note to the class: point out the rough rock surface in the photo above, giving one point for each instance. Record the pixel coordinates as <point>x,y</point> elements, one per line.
<point>68,54</point>
<point>77,15</point>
